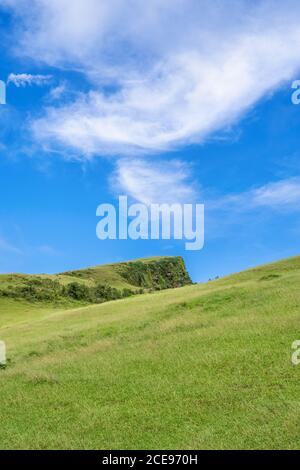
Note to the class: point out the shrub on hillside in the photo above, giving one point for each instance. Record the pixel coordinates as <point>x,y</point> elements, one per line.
<point>127,293</point>
<point>159,274</point>
<point>77,291</point>
<point>35,290</point>
<point>104,292</point>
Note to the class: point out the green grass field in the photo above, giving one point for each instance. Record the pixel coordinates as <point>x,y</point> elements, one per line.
<point>199,367</point>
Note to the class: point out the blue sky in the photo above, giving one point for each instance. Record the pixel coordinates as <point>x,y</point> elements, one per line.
<point>171,102</point>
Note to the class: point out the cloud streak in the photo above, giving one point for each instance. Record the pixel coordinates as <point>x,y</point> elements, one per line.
<point>282,195</point>
<point>26,79</point>
<point>179,71</point>
<point>147,182</point>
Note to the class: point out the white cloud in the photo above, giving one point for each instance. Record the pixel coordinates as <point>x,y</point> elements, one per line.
<point>279,194</point>
<point>57,92</point>
<point>172,182</point>
<point>180,70</point>
<point>283,195</point>
<point>168,182</point>
<point>26,79</point>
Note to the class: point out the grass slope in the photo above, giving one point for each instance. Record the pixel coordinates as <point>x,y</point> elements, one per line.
<point>203,366</point>
<point>96,284</point>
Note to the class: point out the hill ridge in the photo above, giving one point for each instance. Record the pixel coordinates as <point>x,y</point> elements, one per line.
<point>98,284</point>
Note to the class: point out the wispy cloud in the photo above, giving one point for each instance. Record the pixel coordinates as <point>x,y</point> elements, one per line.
<point>26,79</point>
<point>179,70</point>
<point>7,247</point>
<point>148,182</point>
<point>279,194</point>
<point>48,250</point>
<point>57,92</point>
<point>282,195</point>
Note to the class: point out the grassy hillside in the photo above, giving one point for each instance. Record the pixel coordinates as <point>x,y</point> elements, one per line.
<point>202,366</point>
<point>97,284</point>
